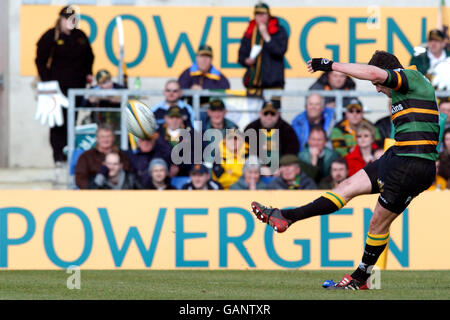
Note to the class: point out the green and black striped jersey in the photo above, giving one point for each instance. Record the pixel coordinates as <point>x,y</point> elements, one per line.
<point>415,114</point>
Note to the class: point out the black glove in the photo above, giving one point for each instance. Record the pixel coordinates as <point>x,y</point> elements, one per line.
<point>321,64</point>
<point>104,171</point>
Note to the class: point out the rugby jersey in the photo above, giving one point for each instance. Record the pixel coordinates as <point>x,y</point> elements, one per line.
<point>415,114</point>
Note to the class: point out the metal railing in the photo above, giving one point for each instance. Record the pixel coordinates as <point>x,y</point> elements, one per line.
<point>125,94</point>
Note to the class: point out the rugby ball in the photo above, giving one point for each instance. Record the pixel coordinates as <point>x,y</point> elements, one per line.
<point>140,119</point>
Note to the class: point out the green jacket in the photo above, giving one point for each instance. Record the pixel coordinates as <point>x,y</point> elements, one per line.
<point>343,138</point>
<point>422,62</point>
<point>323,165</point>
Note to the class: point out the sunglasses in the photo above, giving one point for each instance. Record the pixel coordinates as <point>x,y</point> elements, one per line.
<point>354,110</point>
<point>269,112</point>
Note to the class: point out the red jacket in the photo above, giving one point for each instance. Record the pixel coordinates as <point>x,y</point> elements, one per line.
<point>355,161</point>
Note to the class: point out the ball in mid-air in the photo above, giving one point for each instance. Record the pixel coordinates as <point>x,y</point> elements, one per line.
<point>141,121</point>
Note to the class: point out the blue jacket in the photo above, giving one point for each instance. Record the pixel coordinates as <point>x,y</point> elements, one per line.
<point>300,125</point>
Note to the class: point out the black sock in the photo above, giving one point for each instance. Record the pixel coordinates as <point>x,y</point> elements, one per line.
<point>326,204</point>
<point>375,245</point>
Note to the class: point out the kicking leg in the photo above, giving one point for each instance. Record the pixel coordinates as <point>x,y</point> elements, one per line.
<point>330,202</point>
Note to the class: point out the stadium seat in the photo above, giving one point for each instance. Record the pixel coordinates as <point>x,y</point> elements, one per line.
<point>179,182</point>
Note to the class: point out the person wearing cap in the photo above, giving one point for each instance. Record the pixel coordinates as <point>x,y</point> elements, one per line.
<point>104,82</point>
<point>171,133</point>
<point>172,97</point>
<point>202,74</point>
<point>343,136</point>
<point>159,176</point>
<point>233,151</point>
<point>251,176</point>
<point>64,54</point>
<point>264,69</point>
<point>334,80</point>
<point>267,124</point>
<point>435,53</point>
<point>315,115</point>
<point>148,149</point>
<point>291,176</point>
<point>201,179</point>
<point>216,117</point>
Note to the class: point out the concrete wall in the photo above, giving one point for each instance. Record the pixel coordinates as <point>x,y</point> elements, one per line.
<point>25,143</point>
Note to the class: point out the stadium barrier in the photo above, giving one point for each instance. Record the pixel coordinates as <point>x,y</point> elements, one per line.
<point>207,230</point>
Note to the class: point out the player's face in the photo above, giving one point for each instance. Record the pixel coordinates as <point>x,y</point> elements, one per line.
<point>382,89</point>
<point>338,172</point>
<point>364,138</point>
<point>314,106</point>
<point>158,174</point>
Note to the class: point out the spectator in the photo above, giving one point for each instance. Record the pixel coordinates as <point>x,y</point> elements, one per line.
<point>201,179</point>
<point>90,161</point>
<point>317,155</point>
<point>333,80</point>
<point>203,75</point>
<point>171,134</point>
<point>435,53</point>
<point>439,182</point>
<point>268,123</point>
<point>104,81</point>
<point>112,176</point>
<point>148,149</point>
<point>291,177</point>
<point>363,153</point>
<point>378,153</point>
<point>266,69</point>
<point>216,117</point>
<point>251,176</point>
<point>444,107</point>
<point>64,54</point>
<point>338,173</point>
<point>232,157</point>
<point>343,137</point>
<point>315,115</point>
<point>444,157</point>
<point>159,176</point>
<point>172,94</point>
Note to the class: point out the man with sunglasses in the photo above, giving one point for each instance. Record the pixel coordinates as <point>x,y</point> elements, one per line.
<point>403,172</point>
<point>270,121</point>
<point>342,136</point>
<point>172,94</point>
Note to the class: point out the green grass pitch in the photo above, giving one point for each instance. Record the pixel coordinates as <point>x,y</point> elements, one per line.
<point>217,285</point>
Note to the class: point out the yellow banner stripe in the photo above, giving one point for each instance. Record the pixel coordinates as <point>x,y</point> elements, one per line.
<point>416,110</point>
<point>377,239</point>
<point>416,142</point>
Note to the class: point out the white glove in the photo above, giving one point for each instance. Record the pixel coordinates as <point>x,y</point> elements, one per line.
<point>50,100</point>
<point>441,73</point>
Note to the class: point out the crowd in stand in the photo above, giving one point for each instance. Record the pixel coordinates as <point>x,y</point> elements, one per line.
<point>313,151</point>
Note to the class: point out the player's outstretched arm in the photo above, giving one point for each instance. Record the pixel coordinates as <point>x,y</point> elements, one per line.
<point>359,71</point>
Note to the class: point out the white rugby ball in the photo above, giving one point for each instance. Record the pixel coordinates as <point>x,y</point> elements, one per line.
<point>141,121</point>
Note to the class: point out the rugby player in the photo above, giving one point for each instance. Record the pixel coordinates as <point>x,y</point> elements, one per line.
<point>403,172</point>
